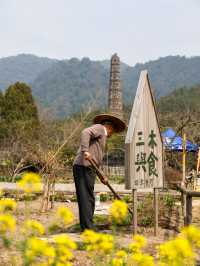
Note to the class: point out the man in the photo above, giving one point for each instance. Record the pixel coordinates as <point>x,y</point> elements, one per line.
<point>92,145</point>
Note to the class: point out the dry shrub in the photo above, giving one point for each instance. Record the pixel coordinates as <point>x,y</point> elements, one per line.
<point>172,177</point>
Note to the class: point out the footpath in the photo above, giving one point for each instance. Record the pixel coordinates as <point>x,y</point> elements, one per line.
<point>70,188</point>
<point>64,187</point>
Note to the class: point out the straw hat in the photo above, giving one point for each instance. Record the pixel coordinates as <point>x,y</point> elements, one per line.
<point>117,123</point>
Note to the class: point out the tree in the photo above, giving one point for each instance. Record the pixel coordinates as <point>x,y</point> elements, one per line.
<point>1,104</point>
<point>19,111</point>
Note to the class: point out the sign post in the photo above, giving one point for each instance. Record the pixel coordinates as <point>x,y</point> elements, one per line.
<point>143,144</point>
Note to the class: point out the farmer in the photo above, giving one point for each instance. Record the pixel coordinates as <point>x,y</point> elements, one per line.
<point>92,144</point>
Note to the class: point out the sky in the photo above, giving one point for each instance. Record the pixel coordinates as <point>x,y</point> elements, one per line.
<point>137,30</point>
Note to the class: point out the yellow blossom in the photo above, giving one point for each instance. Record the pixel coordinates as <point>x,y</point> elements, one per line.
<point>63,264</point>
<point>117,262</point>
<point>33,228</point>
<point>192,233</point>
<point>7,205</point>
<point>105,243</point>
<point>138,243</point>
<point>63,254</point>
<point>118,211</point>
<point>121,254</point>
<point>37,248</point>
<point>176,252</point>
<point>89,237</point>
<point>102,243</point>
<point>65,241</point>
<point>64,215</point>
<point>7,223</point>
<point>30,182</point>
<point>134,247</point>
<point>119,259</point>
<point>63,247</point>
<point>141,259</point>
<point>105,246</point>
<point>140,240</point>
<point>41,264</point>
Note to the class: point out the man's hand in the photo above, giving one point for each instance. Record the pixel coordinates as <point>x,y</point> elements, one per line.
<point>87,155</point>
<point>104,180</point>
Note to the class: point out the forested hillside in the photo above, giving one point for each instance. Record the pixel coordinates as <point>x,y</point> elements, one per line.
<point>65,87</point>
<point>166,74</point>
<point>68,86</point>
<point>24,68</point>
<point>181,111</point>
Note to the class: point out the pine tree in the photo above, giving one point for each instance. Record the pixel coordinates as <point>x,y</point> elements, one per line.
<point>19,110</point>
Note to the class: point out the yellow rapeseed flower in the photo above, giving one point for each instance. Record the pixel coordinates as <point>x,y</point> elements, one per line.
<point>63,264</point>
<point>66,241</point>
<point>63,254</point>
<point>119,259</point>
<point>141,259</point>
<point>41,264</point>
<point>117,262</point>
<point>118,211</point>
<point>38,248</point>
<point>102,243</point>
<point>176,252</point>
<point>33,228</point>
<point>138,243</point>
<point>140,240</point>
<point>105,243</point>
<point>7,223</point>
<point>134,247</point>
<point>121,254</point>
<point>64,216</point>
<point>192,234</point>
<point>30,182</point>
<point>7,205</point>
<point>89,237</point>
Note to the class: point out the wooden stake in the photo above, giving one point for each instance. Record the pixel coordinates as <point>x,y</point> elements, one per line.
<point>184,157</point>
<point>155,190</point>
<point>184,208</point>
<point>188,210</point>
<point>53,192</point>
<point>134,194</point>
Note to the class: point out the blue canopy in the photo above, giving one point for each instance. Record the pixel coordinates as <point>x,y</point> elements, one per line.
<point>174,143</point>
<point>169,133</point>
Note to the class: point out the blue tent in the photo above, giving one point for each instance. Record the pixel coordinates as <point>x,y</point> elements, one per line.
<point>169,133</point>
<point>174,143</point>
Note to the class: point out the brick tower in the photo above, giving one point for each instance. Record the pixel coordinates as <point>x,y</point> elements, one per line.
<point>115,105</point>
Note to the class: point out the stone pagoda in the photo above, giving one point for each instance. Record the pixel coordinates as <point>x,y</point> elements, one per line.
<point>115,105</point>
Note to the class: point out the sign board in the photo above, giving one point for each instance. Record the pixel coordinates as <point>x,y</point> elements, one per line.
<point>143,144</point>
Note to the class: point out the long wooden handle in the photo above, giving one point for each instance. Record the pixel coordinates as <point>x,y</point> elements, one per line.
<point>101,176</point>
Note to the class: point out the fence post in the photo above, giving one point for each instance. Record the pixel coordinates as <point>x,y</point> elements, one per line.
<point>183,195</point>
<point>155,211</point>
<point>134,194</point>
<point>188,210</point>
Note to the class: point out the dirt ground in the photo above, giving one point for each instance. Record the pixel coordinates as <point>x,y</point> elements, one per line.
<point>124,234</point>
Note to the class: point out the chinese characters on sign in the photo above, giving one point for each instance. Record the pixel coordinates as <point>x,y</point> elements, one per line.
<point>143,144</point>
<point>146,162</point>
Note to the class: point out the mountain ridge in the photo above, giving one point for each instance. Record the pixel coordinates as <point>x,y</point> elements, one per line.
<point>66,86</point>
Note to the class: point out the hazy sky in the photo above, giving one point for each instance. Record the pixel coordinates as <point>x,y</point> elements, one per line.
<point>138,30</point>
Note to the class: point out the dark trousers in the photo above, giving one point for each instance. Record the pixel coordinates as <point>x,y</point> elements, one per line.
<point>84,178</point>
